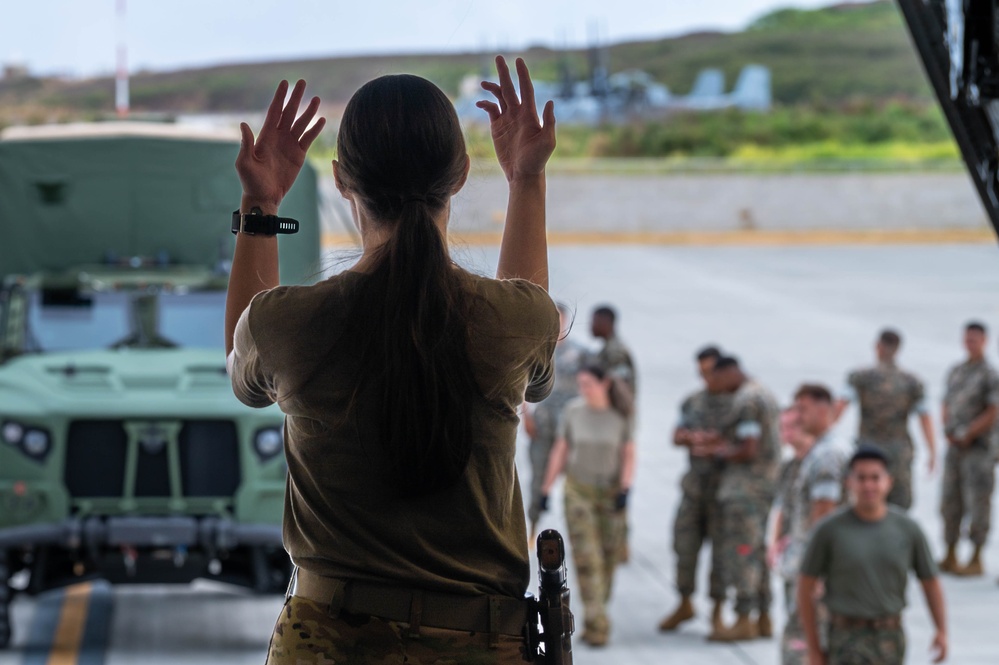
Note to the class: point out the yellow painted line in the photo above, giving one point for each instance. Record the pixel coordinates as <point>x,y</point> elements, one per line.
<point>69,631</point>
<point>725,238</point>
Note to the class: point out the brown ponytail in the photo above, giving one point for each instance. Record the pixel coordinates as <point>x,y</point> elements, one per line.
<point>401,151</point>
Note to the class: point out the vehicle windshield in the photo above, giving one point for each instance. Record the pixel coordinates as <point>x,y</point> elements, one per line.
<point>117,319</point>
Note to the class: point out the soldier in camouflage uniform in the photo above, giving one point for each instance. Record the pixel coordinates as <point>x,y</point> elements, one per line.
<point>615,359</point>
<point>596,449</point>
<point>863,554</point>
<point>702,413</point>
<point>779,529</point>
<point>887,395</point>
<point>542,423</point>
<point>749,448</point>
<point>817,490</point>
<point>969,412</point>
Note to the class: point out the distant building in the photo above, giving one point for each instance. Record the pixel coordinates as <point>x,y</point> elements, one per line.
<point>14,70</point>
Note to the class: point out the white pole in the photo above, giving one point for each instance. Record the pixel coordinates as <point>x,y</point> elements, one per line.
<point>121,76</point>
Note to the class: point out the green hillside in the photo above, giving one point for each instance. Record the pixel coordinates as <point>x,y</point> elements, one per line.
<point>828,56</point>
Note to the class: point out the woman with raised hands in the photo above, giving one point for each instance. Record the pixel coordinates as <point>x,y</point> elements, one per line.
<point>400,378</point>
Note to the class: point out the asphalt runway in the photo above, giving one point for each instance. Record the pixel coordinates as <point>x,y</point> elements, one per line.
<point>790,313</point>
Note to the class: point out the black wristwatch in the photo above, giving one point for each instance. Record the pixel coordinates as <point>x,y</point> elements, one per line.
<point>255,223</point>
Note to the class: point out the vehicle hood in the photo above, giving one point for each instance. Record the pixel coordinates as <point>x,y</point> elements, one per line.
<point>125,382</point>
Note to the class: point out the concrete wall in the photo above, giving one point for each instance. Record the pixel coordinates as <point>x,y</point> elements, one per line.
<point>709,202</point>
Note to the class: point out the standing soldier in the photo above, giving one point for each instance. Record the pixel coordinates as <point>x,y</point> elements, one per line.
<point>779,529</point>
<point>614,357</point>
<point>969,411</point>
<point>817,491</point>
<point>701,414</point>
<point>616,360</point>
<point>749,448</point>
<point>863,555</point>
<point>887,395</point>
<point>595,449</point>
<point>542,424</point>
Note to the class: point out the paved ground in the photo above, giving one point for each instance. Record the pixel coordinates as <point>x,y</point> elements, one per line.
<point>791,314</point>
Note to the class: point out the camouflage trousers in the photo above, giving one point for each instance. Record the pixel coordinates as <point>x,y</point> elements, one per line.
<point>698,520</point>
<point>744,525</point>
<point>305,634</point>
<point>793,645</point>
<point>540,449</point>
<point>900,467</point>
<point>866,646</point>
<point>968,481</point>
<point>596,531</point>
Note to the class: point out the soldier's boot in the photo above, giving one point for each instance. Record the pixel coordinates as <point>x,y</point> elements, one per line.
<point>764,627</point>
<point>974,566</point>
<point>716,617</point>
<point>683,612</point>
<point>949,563</point>
<point>744,628</point>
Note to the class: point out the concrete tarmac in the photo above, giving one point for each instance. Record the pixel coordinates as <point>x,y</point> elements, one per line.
<point>791,314</point>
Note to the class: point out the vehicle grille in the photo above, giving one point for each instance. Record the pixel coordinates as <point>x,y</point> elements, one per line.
<point>97,458</point>
<point>209,458</point>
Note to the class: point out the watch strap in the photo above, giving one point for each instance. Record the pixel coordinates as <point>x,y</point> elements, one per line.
<point>255,223</point>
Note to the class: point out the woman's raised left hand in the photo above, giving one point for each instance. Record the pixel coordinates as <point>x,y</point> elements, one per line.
<point>268,164</point>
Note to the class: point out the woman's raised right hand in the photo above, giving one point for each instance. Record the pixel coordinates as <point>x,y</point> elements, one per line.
<point>523,144</point>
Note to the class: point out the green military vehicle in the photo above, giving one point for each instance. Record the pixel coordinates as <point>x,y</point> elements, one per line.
<point>123,453</point>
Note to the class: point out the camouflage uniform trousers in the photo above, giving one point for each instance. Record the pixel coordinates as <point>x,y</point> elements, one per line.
<point>899,456</point>
<point>698,520</point>
<point>968,481</point>
<point>305,634</point>
<point>540,449</point>
<point>596,530</point>
<point>866,646</point>
<point>744,524</point>
<point>793,645</point>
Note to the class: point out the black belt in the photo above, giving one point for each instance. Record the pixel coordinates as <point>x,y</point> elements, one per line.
<point>495,615</point>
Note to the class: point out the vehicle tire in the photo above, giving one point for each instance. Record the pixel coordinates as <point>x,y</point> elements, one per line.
<point>5,598</point>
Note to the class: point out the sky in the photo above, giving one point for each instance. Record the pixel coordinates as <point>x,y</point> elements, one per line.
<point>78,37</point>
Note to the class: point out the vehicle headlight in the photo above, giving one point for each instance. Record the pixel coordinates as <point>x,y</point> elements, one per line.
<point>34,442</point>
<point>12,433</point>
<point>268,442</point>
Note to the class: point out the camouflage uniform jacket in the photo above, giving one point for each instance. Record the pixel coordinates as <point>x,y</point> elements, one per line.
<point>820,477</point>
<point>886,395</point>
<point>972,387</point>
<point>615,359</point>
<point>754,414</point>
<point>702,411</point>
<point>570,356</point>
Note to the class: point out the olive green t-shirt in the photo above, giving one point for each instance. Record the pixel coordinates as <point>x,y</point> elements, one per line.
<point>296,345</point>
<point>866,564</point>
<point>595,439</point>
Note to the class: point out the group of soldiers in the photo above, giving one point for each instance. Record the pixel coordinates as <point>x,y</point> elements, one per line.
<point>761,514</point>
<point>762,479</point>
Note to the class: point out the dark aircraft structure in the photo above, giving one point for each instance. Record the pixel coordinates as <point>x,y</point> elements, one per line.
<point>957,42</point>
